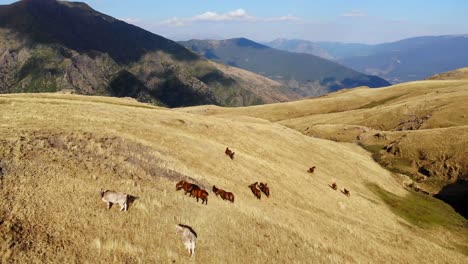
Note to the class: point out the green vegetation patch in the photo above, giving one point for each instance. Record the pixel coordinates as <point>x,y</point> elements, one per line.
<point>419,209</point>
<point>425,211</point>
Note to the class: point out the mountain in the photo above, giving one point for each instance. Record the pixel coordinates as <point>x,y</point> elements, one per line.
<point>327,50</point>
<point>58,150</point>
<point>405,60</point>
<point>49,45</point>
<point>305,74</point>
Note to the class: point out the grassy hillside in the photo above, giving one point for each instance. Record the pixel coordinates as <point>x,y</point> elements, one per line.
<point>304,74</point>
<point>49,45</point>
<point>419,128</point>
<point>57,150</point>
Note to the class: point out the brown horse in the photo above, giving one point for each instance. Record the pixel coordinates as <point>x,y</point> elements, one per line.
<point>229,196</point>
<point>255,190</point>
<point>229,153</point>
<point>311,169</point>
<point>333,186</point>
<point>188,187</point>
<point>265,189</point>
<point>223,194</point>
<point>346,192</point>
<point>200,193</point>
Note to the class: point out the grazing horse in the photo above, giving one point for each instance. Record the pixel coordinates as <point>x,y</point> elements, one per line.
<point>188,187</point>
<point>189,237</point>
<point>229,196</point>
<point>223,194</point>
<point>264,188</point>
<point>229,153</point>
<point>200,193</point>
<point>311,169</point>
<point>346,192</point>
<point>255,190</point>
<point>333,186</point>
<point>111,197</point>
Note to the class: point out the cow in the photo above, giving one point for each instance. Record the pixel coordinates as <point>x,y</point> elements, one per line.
<point>333,186</point>
<point>111,197</point>
<point>265,189</point>
<point>223,194</point>
<point>229,153</point>
<point>189,236</point>
<point>188,187</point>
<point>346,192</point>
<point>311,169</point>
<point>200,194</point>
<point>255,190</point>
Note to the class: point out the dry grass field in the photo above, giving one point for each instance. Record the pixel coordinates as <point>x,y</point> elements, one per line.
<point>422,126</point>
<point>58,150</point>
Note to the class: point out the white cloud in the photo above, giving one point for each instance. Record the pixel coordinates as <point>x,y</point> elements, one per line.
<point>283,18</point>
<point>240,15</point>
<point>130,20</point>
<point>354,13</point>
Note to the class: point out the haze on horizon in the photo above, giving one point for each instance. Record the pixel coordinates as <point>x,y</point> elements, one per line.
<point>360,21</point>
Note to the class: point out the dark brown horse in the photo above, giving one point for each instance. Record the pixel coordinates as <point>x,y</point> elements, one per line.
<point>311,169</point>
<point>265,189</point>
<point>200,193</point>
<point>223,194</point>
<point>255,190</point>
<point>333,186</point>
<point>346,192</point>
<point>188,187</point>
<point>229,153</point>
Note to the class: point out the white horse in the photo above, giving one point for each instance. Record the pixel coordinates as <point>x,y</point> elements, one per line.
<point>111,197</point>
<point>188,237</point>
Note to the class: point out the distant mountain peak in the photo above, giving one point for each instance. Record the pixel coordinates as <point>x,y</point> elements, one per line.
<point>244,42</point>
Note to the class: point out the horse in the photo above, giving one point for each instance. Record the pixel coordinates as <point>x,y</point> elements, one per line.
<point>346,192</point>
<point>188,187</point>
<point>200,193</point>
<point>311,169</point>
<point>264,188</point>
<point>229,153</point>
<point>255,190</point>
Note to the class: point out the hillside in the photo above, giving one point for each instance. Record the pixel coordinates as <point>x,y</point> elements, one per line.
<point>419,129</point>
<point>400,61</point>
<point>49,45</point>
<point>58,150</point>
<point>304,74</point>
<point>458,74</point>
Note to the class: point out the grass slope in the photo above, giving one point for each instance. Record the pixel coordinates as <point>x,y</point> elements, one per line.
<point>57,150</point>
<point>417,128</point>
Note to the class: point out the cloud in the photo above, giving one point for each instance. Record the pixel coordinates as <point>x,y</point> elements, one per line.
<point>239,15</point>
<point>354,13</point>
<point>130,20</point>
<point>283,18</point>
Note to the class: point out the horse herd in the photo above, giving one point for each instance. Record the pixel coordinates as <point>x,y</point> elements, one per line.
<point>188,234</point>
<point>195,191</point>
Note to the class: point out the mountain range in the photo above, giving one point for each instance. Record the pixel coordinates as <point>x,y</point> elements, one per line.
<point>405,60</point>
<point>305,74</point>
<point>49,45</point>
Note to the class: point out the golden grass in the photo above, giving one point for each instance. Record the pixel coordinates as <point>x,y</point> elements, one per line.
<point>56,151</point>
<point>358,114</point>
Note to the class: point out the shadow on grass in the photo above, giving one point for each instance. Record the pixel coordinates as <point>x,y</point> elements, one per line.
<point>419,209</point>
<point>426,212</point>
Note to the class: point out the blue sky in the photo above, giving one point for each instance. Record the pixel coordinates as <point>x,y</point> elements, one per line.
<point>365,21</point>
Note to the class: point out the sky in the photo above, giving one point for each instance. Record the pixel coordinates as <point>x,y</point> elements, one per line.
<point>360,21</point>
